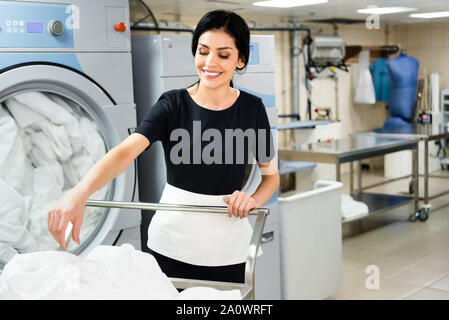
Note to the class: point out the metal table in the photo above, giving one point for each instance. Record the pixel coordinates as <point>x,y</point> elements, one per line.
<point>357,148</point>
<point>422,132</point>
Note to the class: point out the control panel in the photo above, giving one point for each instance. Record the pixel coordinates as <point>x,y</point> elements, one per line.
<point>35,25</point>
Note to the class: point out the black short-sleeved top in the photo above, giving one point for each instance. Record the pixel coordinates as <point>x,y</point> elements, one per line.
<point>207,151</point>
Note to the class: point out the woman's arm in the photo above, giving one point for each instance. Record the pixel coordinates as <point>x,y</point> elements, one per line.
<point>71,207</point>
<point>240,203</point>
<point>269,184</point>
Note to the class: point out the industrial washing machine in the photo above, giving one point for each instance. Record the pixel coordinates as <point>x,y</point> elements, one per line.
<point>66,98</point>
<point>165,62</point>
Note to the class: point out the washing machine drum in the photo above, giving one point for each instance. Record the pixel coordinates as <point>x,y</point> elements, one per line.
<point>48,142</point>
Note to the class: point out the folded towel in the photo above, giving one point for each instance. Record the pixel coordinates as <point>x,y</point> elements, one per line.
<point>351,208</point>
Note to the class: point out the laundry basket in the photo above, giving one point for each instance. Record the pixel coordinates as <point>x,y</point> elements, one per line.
<point>311,242</point>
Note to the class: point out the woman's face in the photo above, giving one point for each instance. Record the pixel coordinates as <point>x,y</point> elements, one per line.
<point>216,59</point>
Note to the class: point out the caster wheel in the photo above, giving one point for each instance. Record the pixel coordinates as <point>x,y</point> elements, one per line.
<point>413,217</point>
<point>423,214</point>
<point>411,187</point>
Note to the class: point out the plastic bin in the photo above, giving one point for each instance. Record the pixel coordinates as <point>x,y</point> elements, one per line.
<point>311,242</point>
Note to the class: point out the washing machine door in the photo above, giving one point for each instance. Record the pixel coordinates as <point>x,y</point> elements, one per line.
<point>32,147</point>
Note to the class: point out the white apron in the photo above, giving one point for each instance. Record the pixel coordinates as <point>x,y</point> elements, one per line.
<point>206,239</point>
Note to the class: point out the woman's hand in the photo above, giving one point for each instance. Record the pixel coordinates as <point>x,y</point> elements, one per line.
<point>69,209</point>
<point>239,204</point>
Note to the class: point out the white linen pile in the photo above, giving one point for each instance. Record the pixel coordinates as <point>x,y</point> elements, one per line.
<point>351,209</point>
<point>108,272</point>
<point>47,144</point>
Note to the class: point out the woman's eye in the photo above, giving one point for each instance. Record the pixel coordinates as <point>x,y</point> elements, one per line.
<point>202,53</point>
<point>224,57</point>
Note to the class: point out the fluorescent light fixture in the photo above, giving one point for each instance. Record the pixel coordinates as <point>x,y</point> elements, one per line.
<point>430,15</point>
<point>385,10</point>
<point>288,3</point>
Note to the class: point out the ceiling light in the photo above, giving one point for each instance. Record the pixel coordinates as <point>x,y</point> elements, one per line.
<point>288,3</point>
<point>385,10</point>
<point>430,15</point>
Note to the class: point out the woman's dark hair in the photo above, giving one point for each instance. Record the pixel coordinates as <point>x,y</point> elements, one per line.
<point>229,22</point>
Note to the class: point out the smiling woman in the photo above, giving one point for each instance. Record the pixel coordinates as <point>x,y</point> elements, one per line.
<point>215,248</point>
<point>194,245</point>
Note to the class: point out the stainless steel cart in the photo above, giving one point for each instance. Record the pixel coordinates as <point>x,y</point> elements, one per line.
<point>357,148</point>
<point>425,133</point>
<point>247,289</point>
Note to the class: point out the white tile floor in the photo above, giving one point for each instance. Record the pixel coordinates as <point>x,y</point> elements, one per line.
<point>412,258</point>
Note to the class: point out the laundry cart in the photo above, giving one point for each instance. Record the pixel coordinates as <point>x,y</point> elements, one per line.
<point>311,242</point>
<point>247,289</point>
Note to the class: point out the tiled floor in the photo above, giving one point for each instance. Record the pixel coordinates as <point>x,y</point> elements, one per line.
<point>412,259</point>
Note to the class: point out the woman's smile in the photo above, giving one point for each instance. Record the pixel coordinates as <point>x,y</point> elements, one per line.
<point>211,75</point>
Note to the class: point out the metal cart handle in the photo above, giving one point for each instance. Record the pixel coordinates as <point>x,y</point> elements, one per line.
<point>247,290</point>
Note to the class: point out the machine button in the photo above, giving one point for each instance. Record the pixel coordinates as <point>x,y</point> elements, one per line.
<point>56,27</point>
<point>120,27</point>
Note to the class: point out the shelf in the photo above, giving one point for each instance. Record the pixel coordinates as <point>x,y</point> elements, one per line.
<point>287,166</point>
<point>301,124</point>
<point>379,202</point>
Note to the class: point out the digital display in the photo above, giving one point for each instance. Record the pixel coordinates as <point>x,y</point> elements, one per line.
<point>34,27</point>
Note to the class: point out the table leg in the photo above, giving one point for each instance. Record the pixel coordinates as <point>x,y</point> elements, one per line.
<point>359,177</point>
<point>426,171</point>
<point>351,177</point>
<point>416,178</point>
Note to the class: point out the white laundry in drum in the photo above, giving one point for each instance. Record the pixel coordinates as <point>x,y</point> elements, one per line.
<point>48,144</point>
<point>107,272</point>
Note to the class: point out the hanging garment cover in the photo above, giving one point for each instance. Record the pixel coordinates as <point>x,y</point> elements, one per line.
<point>403,71</point>
<point>381,79</point>
<point>364,93</point>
